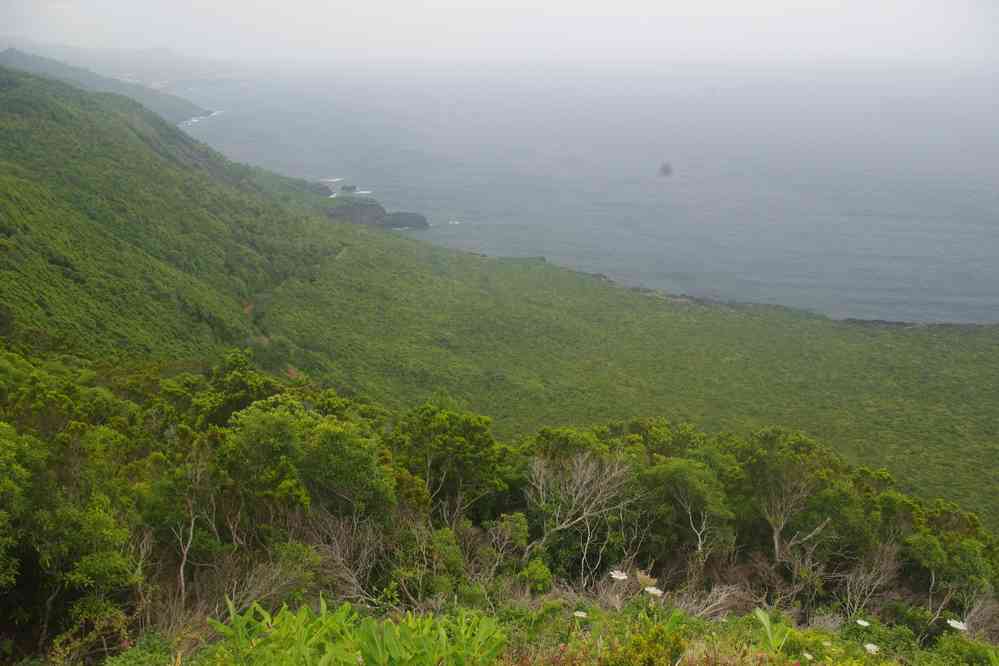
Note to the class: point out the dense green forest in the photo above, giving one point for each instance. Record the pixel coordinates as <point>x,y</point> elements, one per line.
<point>120,235</point>
<point>234,431</point>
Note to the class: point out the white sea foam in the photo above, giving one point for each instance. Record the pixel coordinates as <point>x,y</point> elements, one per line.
<point>330,180</point>
<point>198,119</point>
<point>365,192</point>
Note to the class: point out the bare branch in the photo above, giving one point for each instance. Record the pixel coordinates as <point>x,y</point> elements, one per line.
<point>584,489</point>
<point>859,585</point>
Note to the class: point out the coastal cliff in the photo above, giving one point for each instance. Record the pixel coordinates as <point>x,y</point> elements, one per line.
<point>366,211</point>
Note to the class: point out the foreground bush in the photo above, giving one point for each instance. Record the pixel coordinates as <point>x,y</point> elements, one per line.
<point>142,503</point>
<point>341,637</point>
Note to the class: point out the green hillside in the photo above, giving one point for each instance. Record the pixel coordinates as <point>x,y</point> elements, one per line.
<point>120,237</point>
<point>173,108</point>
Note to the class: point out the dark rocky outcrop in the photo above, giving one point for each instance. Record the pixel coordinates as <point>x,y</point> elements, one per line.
<point>361,210</point>
<point>318,188</point>
<point>358,210</point>
<point>401,220</point>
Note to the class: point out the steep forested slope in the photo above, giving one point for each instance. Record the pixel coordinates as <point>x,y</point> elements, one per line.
<point>172,108</point>
<point>119,235</point>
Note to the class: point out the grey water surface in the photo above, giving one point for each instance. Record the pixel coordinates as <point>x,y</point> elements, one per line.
<point>851,191</point>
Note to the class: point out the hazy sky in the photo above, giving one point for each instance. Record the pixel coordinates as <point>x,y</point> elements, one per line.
<point>605,30</point>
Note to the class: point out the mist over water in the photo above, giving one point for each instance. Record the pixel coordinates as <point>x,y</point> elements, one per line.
<point>853,192</point>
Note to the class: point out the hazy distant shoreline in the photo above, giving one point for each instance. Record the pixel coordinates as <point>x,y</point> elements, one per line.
<point>875,225</point>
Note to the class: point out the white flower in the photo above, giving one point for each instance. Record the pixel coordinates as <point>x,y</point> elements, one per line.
<point>618,575</point>
<point>871,648</point>
<point>580,614</point>
<point>654,591</point>
<point>807,656</point>
<point>864,623</point>
<point>957,624</point>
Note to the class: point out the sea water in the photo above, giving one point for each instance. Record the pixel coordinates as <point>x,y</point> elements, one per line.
<point>863,192</point>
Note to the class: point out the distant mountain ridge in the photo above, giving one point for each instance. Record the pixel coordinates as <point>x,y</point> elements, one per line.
<point>172,108</point>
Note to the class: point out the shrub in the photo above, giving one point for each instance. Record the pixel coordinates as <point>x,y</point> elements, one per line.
<point>658,644</point>
<point>150,650</point>
<point>893,640</point>
<point>537,576</point>
<point>956,649</point>
<point>815,643</point>
<point>6,319</point>
<point>916,618</point>
<point>473,594</point>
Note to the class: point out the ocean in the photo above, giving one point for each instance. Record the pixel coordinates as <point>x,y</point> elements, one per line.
<point>855,192</point>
